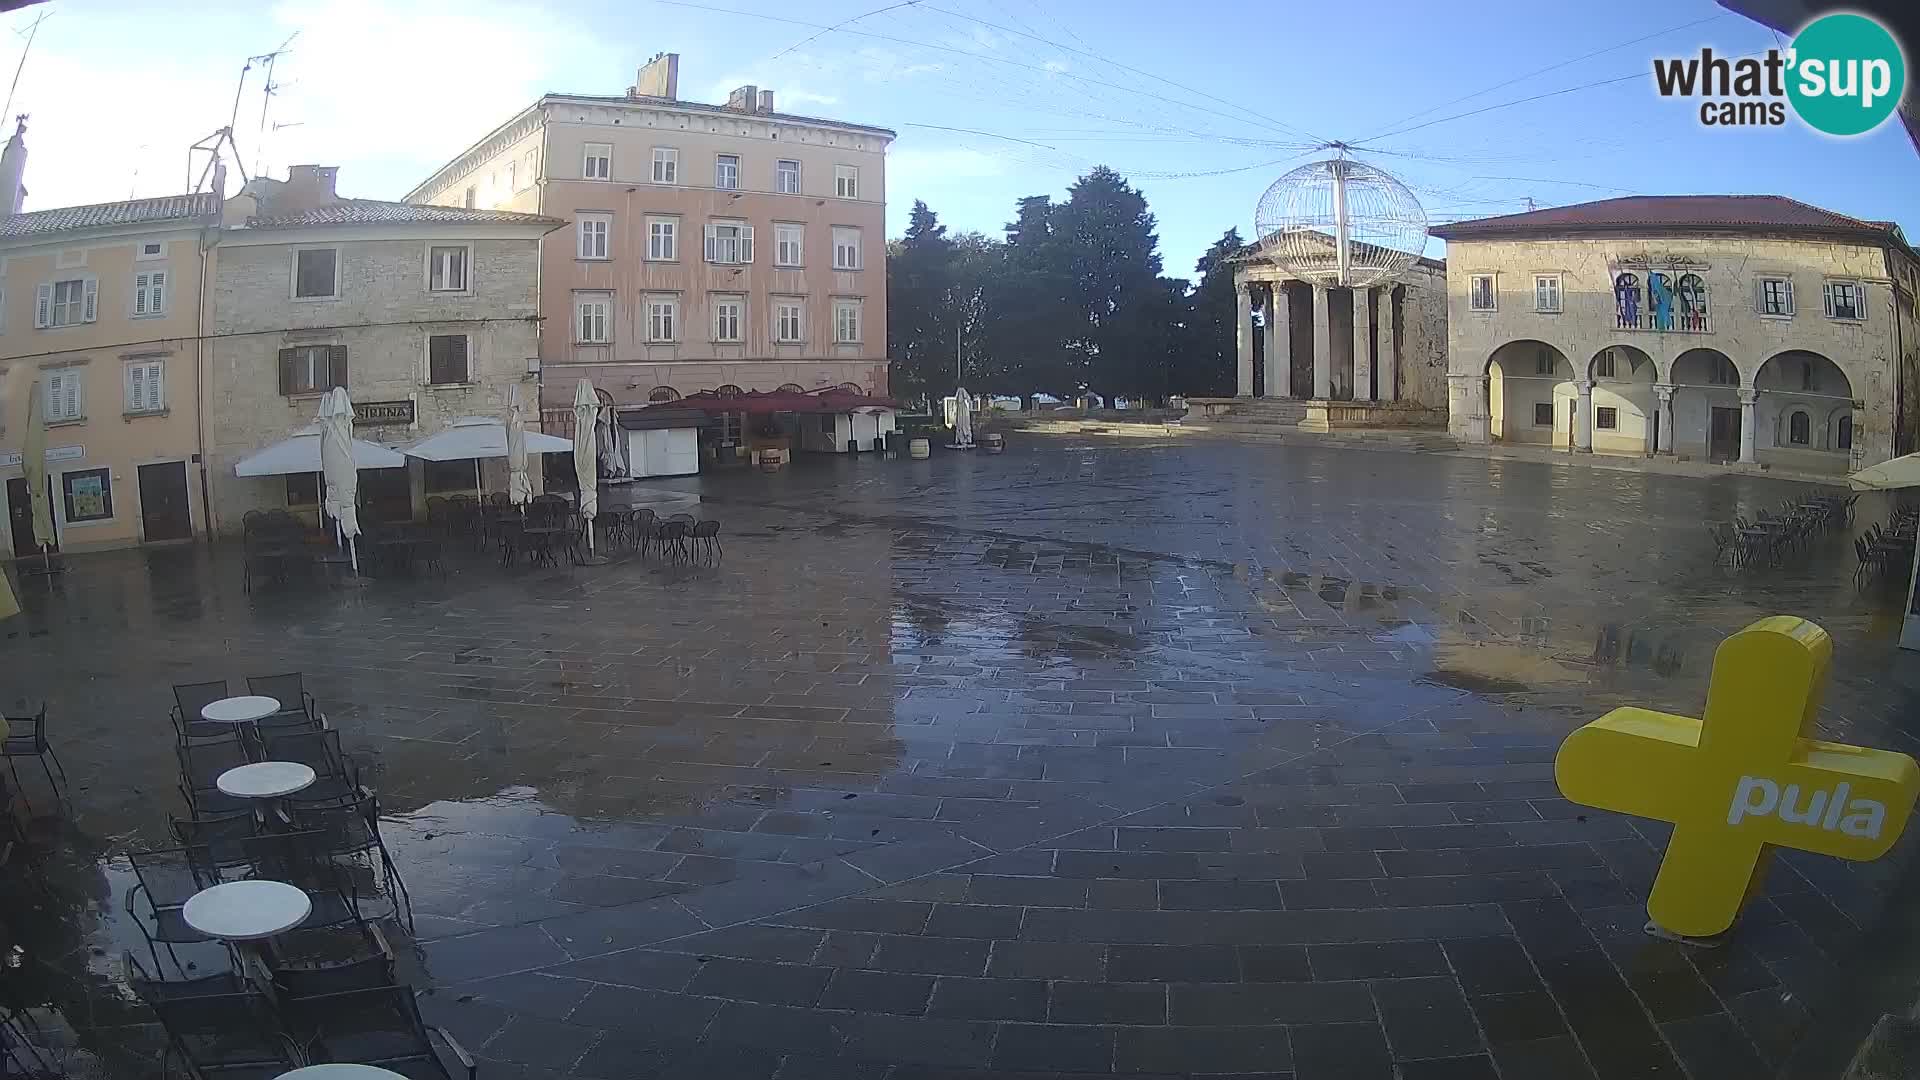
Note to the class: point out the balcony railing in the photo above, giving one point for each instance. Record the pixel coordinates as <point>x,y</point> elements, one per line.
<point>1677,322</point>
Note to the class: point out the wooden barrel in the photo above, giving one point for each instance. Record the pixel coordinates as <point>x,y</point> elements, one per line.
<point>994,442</point>
<point>772,459</point>
<point>919,449</point>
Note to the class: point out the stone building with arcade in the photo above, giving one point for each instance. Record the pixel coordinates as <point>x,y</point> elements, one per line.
<point>1727,328</point>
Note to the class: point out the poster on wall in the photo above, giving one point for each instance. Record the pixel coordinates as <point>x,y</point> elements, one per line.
<point>88,497</point>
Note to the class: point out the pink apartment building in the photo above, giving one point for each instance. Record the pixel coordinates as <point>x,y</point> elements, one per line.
<point>709,247</point>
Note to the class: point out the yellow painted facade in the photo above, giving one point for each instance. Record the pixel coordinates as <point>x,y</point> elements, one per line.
<point>1745,776</point>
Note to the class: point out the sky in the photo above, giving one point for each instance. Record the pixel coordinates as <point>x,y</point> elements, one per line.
<point>1202,103</point>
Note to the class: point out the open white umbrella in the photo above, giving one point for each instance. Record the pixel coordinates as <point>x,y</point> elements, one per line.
<point>586,454</point>
<point>479,437</point>
<point>338,469</point>
<point>1894,473</point>
<point>33,466</point>
<point>519,490</point>
<point>300,453</point>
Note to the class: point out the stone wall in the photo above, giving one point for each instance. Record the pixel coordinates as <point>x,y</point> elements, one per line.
<point>1731,266</point>
<point>383,317</point>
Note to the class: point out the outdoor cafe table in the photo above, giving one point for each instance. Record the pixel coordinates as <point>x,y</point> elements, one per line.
<point>244,713</point>
<point>340,1071</point>
<point>266,780</point>
<point>243,912</point>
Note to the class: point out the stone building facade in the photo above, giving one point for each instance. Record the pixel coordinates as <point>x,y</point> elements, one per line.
<point>425,314</point>
<point>1731,328</point>
<point>710,246</point>
<point>1381,344</point>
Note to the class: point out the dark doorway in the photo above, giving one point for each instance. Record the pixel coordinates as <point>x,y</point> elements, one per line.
<point>20,516</point>
<point>1723,434</point>
<point>385,495</point>
<point>1300,345</point>
<point>1258,328</point>
<point>165,513</point>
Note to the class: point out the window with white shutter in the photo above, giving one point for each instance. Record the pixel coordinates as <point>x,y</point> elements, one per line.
<point>150,293</point>
<point>1776,297</point>
<point>729,242</point>
<point>1845,300</point>
<point>66,399</point>
<point>146,383</point>
<point>64,303</point>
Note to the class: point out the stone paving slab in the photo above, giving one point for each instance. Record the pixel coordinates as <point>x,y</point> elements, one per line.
<point>1079,760</point>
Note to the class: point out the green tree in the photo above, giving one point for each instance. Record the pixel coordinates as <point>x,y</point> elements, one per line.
<point>1033,319</point>
<point>1209,349</point>
<point>919,284</point>
<point>1105,234</point>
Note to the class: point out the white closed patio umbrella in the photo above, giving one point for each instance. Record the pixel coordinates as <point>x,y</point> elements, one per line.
<point>337,468</point>
<point>519,488</point>
<point>586,454</point>
<point>33,468</point>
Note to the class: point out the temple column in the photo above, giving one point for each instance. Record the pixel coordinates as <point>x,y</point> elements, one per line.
<point>1279,342</point>
<point>1322,346</point>
<point>1243,337</point>
<point>1363,345</point>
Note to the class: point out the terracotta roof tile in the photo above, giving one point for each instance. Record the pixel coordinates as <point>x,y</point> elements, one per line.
<point>99,215</point>
<point>377,212</point>
<point>1677,212</point>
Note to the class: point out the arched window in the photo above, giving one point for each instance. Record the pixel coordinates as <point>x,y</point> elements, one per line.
<point>1626,301</point>
<point>851,388</point>
<point>663,393</point>
<point>1843,433</point>
<point>1799,428</point>
<point>790,388</point>
<point>1691,307</point>
<point>729,390</point>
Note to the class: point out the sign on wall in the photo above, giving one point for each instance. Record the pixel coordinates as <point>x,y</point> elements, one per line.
<point>1745,776</point>
<point>54,453</point>
<point>376,413</point>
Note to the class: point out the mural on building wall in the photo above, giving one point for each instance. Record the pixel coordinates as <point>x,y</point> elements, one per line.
<point>1674,300</point>
<point>1626,301</point>
<point>1659,301</point>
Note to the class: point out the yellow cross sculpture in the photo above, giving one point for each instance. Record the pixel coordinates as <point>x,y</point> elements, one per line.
<point>1743,777</point>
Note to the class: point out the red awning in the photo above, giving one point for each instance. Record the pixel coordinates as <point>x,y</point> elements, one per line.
<point>776,401</point>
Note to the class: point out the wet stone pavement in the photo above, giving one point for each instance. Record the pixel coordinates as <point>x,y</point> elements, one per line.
<point>1086,759</point>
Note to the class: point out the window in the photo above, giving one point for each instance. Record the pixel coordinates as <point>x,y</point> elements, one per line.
<point>1480,292</point>
<point>88,494</point>
<point>312,369</point>
<point>846,321</point>
<point>728,312</point>
<point>65,303</point>
<point>447,475</point>
<point>146,386</point>
<point>1843,433</point>
<point>788,239</point>
<point>152,249</point>
<point>730,424</point>
<point>1606,418</point>
<point>473,198</point>
<point>1543,361</point>
<point>846,182</point>
<point>598,162</point>
<point>1721,372</point>
<point>1776,296</point>
<point>592,318</point>
<point>1799,428</point>
<point>66,396</point>
<point>786,177</point>
<point>663,393</point>
<point>846,249</point>
<point>447,360</point>
<point>316,274</point>
<point>1690,296</point>
<point>729,242</point>
<point>1845,300</point>
<point>150,293</point>
<point>663,239</point>
<point>1546,293</point>
<point>1543,414</point>
<point>530,166</point>
<point>513,177</point>
<point>594,232</point>
<point>447,268</point>
<point>666,165</point>
<point>787,327</point>
<point>663,318</point>
<point>726,172</point>
<point>1603,365</point>
<point>303,489</point>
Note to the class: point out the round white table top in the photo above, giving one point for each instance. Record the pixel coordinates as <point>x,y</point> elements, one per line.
<point>340,1072</point>
<point>247,910</point>
<point>240,710</point>
<point>265,779</point>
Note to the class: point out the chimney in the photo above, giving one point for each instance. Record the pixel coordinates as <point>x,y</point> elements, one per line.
<point>13,168</point>
<point>660,78</point>
<point>766,101</point>
<point>309,186</point>
<point>743,99</point>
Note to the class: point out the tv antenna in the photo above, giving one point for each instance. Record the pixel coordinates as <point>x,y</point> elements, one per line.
<point>222,138</point>
<point>33,31</point>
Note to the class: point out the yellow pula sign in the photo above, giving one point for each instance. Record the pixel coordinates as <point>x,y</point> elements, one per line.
<point>1744,776</point>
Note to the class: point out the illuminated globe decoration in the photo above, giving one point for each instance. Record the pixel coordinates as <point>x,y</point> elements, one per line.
<point>1341,223</point>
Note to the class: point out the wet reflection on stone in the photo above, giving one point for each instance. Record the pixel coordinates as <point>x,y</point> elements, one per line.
<point>1208,758</point>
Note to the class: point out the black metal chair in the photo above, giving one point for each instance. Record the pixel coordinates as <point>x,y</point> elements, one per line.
<point>290,690</point>
<point>300,859</point>
<point>188,700</point>
<point>380,1027</point>
<point>368,962</point>
<point>351,830</point>
<point>705,541</point>
<point>227,1036</point>
<point>168,878</point>
<point>27,737</point>
<point>670,537</point>
<point>201,763</point>
<point>222,837</point>
<point>335,776</point>
<point>155,987</point>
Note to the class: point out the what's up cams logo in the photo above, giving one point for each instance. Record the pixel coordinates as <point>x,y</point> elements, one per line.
<point>1843,75</point>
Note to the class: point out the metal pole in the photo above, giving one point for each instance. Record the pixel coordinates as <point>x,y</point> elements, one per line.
<point>1343,256</point>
